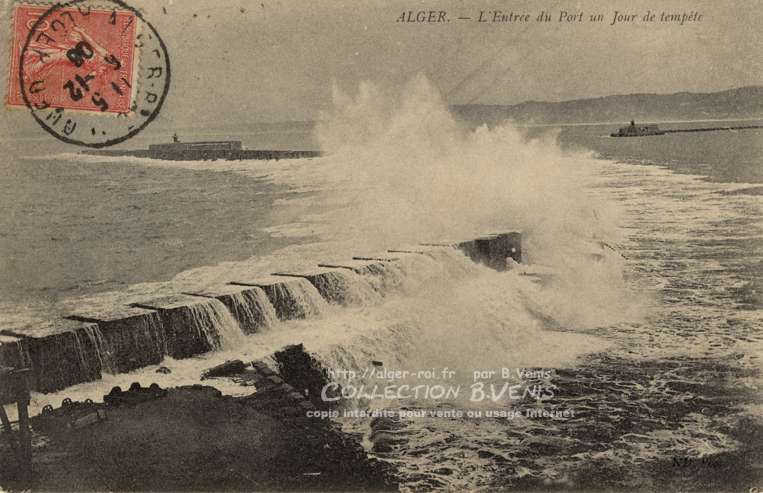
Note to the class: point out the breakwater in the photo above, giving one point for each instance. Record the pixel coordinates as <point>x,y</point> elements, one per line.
<point>204,155</point>
<point>711,129</point>
<point>93,341</point>
<point>652,130</point>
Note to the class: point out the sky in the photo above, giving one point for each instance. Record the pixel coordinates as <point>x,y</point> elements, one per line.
<point>277,60</point>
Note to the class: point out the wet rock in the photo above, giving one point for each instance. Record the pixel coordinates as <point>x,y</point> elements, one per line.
<point>96,416</point>
<point>228,368</point>
<point>262,368</point>
<point>174,444</point>
<point>71,415</point>
<point>135,395</point>
<point>303,371</point>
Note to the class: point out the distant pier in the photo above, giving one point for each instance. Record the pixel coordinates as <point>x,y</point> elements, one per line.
<point>634,130</point>
<point>228,150</point>
<point>711,129</point>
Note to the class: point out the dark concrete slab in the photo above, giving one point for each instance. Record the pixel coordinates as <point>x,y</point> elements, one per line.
<point>330,282</point>
<point>286,294</point>
<point>358,266</point>
<point>60,353</point>
<point>249,305</point>
<point>493,250</point>
<point>187,329</point>
<point>133,336</point>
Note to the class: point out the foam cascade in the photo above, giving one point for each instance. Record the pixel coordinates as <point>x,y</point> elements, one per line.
<point>95,340</point>
<point>296,299</point>
<point>213,320</point>
<point>347,288</point>
<point>253,308</point>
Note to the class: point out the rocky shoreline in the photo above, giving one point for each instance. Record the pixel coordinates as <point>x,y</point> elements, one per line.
<point>195,439</point>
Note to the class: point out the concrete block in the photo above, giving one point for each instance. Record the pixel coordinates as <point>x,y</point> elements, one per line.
<point>292,297</point>
<point>11,357</point>
<point>249,305</point>
<point>375,267</point>
<point>508,245</point>
<point>59,352</point>
<point>441,244</point>
<point>188,322</point>
<point>382,257</point>
<point>417,251</point>
<point>133,337</point>
<point>493,250</point>
<point>331,283</point>
<point>11,352</point>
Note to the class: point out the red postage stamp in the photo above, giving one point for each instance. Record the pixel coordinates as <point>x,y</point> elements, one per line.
<point>79,58</point>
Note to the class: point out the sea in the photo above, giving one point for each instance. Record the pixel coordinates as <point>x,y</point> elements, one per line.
<point>623,354</point>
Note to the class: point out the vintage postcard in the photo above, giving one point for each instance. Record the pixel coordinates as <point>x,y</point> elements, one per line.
<point>381,245</point>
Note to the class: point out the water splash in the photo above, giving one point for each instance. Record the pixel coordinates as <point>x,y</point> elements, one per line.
<point>213,320</point>
<point>253,310</point>
<point>346,287</point>
<point>100,347</point>
<point>142,342</point>
<point>296,298</point>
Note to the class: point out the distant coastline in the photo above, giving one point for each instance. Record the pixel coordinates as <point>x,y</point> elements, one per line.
<point>739,104</point>
<point>590,124</point>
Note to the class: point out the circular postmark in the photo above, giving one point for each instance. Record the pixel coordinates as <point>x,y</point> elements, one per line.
<point>92,72</point>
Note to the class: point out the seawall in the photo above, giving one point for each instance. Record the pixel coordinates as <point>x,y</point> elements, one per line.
<point>92,341</point>
<point>202,155</point>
